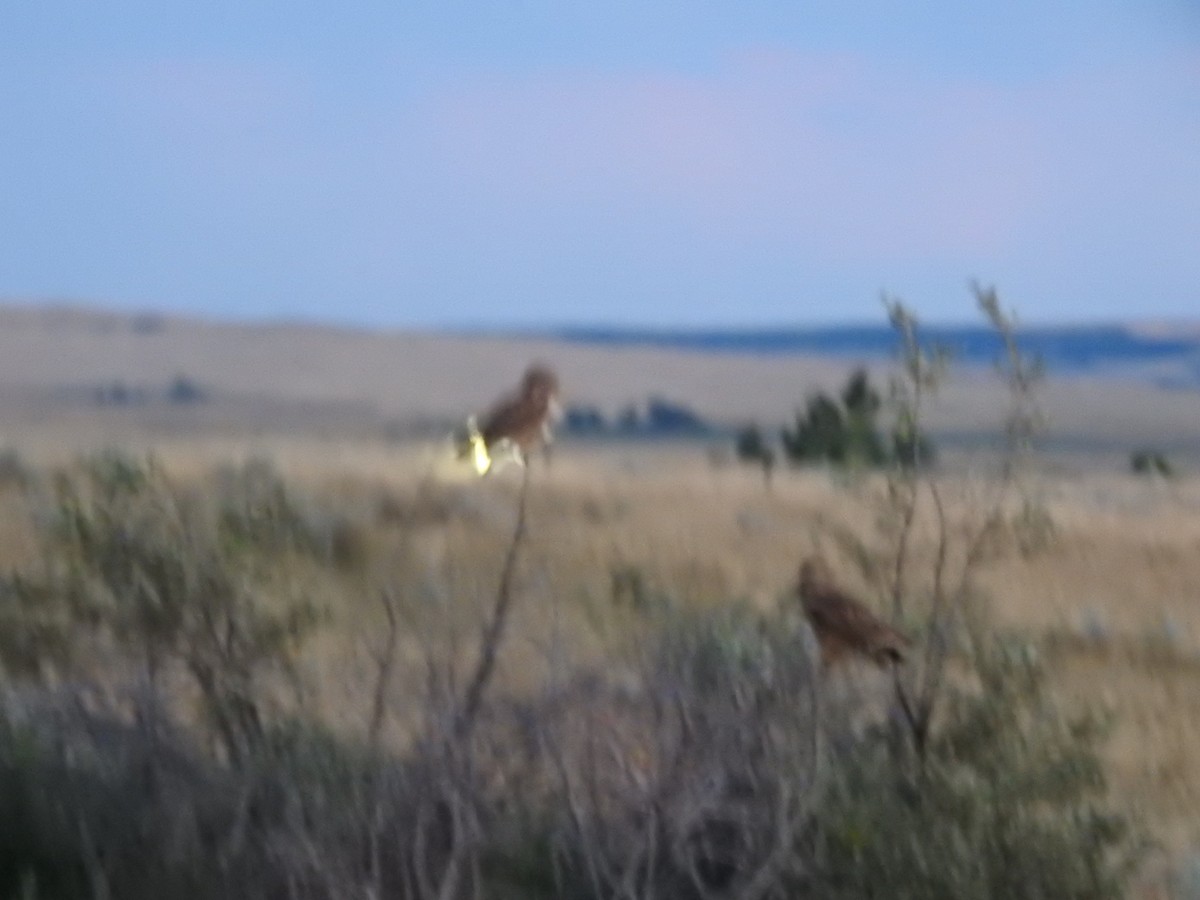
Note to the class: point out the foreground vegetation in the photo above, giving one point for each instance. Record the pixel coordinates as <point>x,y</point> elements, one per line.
<point>156,741</point>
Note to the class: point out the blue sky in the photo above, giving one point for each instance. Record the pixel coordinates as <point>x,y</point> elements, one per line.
<point>653,162</point>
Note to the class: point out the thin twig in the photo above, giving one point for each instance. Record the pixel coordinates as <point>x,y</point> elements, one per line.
<point>906,527</point>
<point>385,662</point>
<point>493,633</point>
<point>914,492</point>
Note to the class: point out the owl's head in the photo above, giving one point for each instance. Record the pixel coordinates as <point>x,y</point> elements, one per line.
<point>539,383</point>
<point>814,574</point>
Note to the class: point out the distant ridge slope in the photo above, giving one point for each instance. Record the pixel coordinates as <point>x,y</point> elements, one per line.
<point>1067,349</point>
<point>56,360</point>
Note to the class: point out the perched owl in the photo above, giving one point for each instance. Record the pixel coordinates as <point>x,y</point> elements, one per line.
<point>516,425</point>
<point>844,627</point>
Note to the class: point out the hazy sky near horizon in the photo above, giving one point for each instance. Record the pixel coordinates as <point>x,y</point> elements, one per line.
<point>645,162</point>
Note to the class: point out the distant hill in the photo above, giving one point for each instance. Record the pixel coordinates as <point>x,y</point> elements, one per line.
<point>73,373</point>
<point>1066,350</point>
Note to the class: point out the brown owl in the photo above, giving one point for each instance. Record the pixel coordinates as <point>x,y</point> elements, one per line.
<point>517,424</point>
<point>844,627</point>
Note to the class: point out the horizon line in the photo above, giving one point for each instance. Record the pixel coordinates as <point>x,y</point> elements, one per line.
<point>566,329</point>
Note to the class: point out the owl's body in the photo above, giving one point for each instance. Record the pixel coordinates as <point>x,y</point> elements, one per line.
<point>844,627</point>
<point>516,425</point>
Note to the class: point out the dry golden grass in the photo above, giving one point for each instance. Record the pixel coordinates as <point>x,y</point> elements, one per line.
<point>1116,595</point>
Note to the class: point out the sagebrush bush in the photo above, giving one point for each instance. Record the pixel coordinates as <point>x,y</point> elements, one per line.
<point>14,471</point>
<point>705,777</point>
<point>161,577</point>
<point>845,431</point>
<point>96,807</point>
<point>1151,462</point>
<point>1009,802</point>
<point>752,447</point>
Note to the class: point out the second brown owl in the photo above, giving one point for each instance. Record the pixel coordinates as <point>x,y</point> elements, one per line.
<point>845,627</point>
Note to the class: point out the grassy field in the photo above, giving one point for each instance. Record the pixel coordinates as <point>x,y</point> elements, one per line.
<point>1111,598</point>
<point>1115,595</point>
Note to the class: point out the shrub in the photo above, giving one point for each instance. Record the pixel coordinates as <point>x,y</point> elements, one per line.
<point>584,420</point>
<point>752,447</point>
<point>629,587</point>
<point>976,786</point>
<point>1151,462</point>
<point>819,435</point>
<point>712,778</point>
<point>184,391</point>
<point>662,418</point>
<point>698,781</point>
<point>96,807</point>
<point>668,417</point>
<point>166,577</point>
<point>1009,803</point>
<point>844,431</point>
<point>14,471</point>
<point>119,394</point>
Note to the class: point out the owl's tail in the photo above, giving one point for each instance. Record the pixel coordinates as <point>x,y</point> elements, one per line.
<point>469,445</point>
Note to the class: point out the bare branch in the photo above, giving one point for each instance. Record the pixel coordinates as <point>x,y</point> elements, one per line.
<point>493,632</point>
<point>385,662</point>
